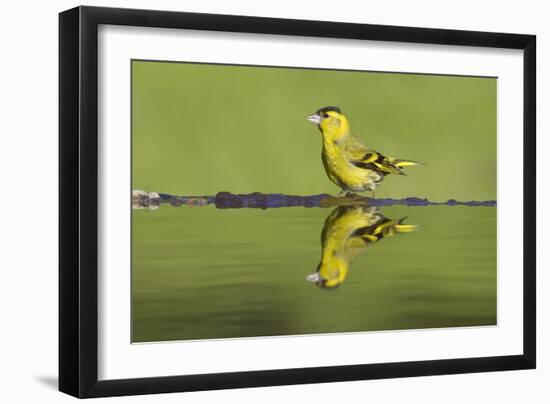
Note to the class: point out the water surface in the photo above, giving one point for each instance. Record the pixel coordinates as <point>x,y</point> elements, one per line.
<point>202,272</point>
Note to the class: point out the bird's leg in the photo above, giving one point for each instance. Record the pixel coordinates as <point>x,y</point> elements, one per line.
<point>341,193</point>
<point>373,194</point>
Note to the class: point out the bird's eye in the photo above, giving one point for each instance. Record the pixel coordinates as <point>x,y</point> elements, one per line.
<point>325,115</point>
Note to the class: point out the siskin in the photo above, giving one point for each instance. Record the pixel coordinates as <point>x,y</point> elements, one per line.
<point>349,163</point>
<point>347,232</point>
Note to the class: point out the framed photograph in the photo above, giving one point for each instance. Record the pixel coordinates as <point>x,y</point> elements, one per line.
<point>251,201</point>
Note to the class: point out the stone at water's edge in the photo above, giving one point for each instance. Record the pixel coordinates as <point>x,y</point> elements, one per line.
<point>227,200</point>
<point>186,200</point>
<point>153,200</point>
<point>145,200</point>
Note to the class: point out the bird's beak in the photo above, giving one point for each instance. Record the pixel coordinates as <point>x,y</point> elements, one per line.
<point>314,277</point>
<point>315,118</point>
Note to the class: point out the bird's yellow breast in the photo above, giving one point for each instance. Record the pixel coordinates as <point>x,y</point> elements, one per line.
<point>342,172</point>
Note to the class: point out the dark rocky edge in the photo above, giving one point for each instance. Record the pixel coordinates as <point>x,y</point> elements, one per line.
<point>228,200</point>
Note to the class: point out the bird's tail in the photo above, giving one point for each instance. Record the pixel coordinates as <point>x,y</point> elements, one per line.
<point>401,227</point>
<point>400,163</point>
<point>387,228</point>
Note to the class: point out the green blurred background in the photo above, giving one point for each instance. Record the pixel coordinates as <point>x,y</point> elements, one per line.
<point>202,272</point>
<point>198,129</point>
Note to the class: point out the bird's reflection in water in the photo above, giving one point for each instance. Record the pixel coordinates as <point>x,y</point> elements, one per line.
<point>347,232</point>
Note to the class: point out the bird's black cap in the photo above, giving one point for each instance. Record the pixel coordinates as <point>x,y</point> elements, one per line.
<point>327,109</point>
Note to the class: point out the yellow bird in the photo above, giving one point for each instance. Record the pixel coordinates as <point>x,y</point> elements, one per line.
<point>347,232</point>
<point>349,163</point>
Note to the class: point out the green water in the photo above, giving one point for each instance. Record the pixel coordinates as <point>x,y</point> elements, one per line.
<point>202,272</point>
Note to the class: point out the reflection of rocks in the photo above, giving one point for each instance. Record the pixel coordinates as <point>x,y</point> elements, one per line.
<point>145,200</point>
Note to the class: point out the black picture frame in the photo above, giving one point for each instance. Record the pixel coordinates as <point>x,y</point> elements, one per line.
<point>78,196</point>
